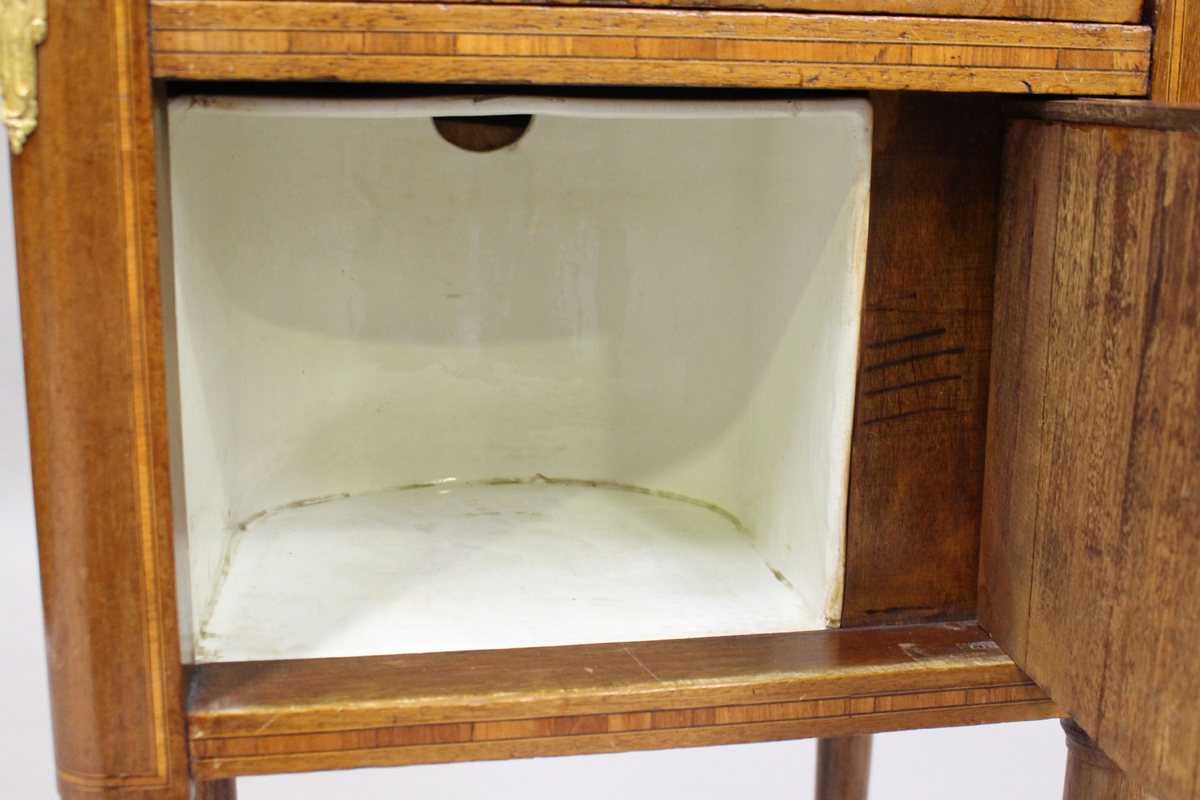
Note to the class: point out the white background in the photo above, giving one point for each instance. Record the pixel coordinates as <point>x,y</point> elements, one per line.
<point>1019,760</point>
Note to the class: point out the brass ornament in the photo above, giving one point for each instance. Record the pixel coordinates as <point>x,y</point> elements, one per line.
<point>24,28</point>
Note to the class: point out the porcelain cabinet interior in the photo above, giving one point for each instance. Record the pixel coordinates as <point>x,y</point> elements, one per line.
<point>596,385</point>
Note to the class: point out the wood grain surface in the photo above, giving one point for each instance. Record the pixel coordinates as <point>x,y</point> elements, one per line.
<point>283,716</point>
<point>1090,538</point>
<point>916,465</point>
<point>1069,10</point>
<point>87,256</point>
<point>1176,77</point>
<point>1028,225</point>
<point>474,43</point>
<point>843,767</point>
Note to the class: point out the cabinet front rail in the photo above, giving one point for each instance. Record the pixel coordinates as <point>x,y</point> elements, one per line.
<point>265,717</point>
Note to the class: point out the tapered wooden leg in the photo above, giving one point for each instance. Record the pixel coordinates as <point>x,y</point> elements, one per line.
<point>843,767</point>
<point>1091,775</point>
<point>223,789</point>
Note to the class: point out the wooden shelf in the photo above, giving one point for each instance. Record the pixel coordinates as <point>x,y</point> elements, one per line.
<point>263,717</point>
<point>476,43</point>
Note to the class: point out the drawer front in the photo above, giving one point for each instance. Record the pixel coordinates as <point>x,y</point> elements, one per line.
<point>573,45</point>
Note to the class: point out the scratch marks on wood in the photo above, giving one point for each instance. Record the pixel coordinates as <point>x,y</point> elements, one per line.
<point>910,375</point>
<point>910,385</point>
<point>906,414</point>
<point>909,359</point>
<point>912,337</point>
<point>649,671</point>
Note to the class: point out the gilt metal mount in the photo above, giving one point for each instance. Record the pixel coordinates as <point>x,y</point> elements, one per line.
<point>23,29</point>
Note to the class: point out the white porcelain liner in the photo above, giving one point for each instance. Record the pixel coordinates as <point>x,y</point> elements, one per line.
<point>595,386</point>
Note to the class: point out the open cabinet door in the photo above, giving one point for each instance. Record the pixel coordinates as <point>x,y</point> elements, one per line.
<point>1090,574</point>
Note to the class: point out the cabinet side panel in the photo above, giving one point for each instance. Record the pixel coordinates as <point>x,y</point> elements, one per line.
<point>1025,257</point>
<point>917,453</point>
<point>87,256</point>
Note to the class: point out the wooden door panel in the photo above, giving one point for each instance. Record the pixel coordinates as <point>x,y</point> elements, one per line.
<point>1090,568</point>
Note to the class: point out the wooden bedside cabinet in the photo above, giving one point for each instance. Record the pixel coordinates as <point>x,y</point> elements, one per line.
<point>1015,535</point>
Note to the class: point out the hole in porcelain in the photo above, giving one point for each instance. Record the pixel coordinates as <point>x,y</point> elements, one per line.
<point>595,388</point>
<point>483,134</point>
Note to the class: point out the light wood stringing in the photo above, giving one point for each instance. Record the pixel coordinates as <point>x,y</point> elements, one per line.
<point>463,43</point>
<point>1176,77</point>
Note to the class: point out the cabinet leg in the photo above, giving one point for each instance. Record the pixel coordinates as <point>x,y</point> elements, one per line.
<point>843,767</point>
<point>1091,775</point>
<point>222,789</point>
